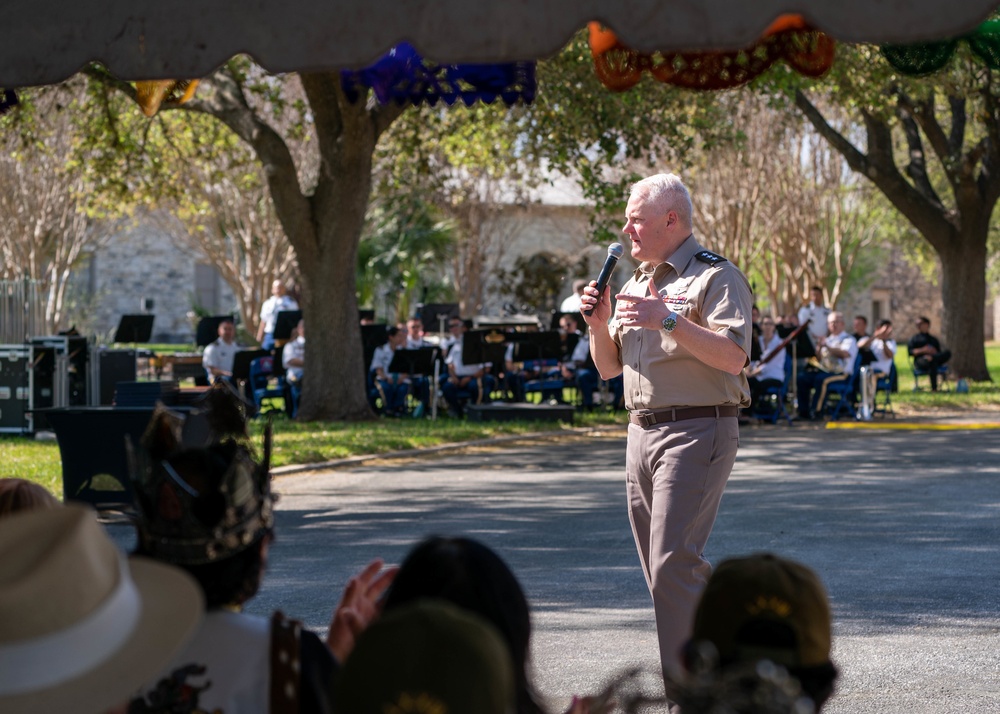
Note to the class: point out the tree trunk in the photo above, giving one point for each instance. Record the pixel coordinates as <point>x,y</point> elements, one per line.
<point>963,290</point>
<point>335,373</point>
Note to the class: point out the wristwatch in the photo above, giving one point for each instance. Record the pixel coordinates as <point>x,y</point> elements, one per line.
<point>670,322</point>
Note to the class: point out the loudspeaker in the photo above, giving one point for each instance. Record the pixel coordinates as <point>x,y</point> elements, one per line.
<point>14,389</point>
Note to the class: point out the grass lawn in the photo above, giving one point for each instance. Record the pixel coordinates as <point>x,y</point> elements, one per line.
<point>316,442</point>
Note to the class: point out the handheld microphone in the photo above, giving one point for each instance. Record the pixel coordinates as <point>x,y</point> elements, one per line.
<point>615,251</point>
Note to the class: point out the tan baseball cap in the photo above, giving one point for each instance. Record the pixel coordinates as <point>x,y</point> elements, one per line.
<point>763,606</point>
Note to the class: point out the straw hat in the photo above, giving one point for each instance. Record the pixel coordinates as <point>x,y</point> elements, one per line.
<point>81,626</point>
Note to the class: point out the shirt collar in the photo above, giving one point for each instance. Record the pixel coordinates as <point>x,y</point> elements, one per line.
<point>678,260</point>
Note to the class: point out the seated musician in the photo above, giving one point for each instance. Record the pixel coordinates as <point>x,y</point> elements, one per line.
<point>393,387</point>
<point>293,355</point>
<point>293,359</point>
<point>770,373</point>
<point>579,367</point>
<point>219,356</point>
<point>475,379</point>
<point>836,355</point>
<point>538,371</point>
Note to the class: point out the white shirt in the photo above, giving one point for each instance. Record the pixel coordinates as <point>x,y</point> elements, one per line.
<point>774,368</point>
<point>220,355</point>
<point>296,349</point>
<point>461,369</point>
<point>272,306</point>
<point>816,314</point>
<point>382,358</point>
<point>580,351</point>
<point>235,650</point>
<point>571,304</point>
<point>843,341</point>
<point>882,363</point>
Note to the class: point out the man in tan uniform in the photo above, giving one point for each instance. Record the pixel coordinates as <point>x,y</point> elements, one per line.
<point>681,335</point>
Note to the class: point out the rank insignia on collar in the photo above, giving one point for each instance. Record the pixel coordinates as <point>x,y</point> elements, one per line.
<point>707,256</point>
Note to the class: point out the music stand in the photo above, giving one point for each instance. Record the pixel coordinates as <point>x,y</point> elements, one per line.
<point>537,345</point>
<point>434,316</point>
<point>413,361</point>
<point>208,329</point>
<point>285,322</point>
<point>241,363</point>
<point>481,346</point>
<point>135,329</point>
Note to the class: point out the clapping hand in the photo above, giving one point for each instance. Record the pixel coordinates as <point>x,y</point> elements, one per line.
<point>358,607</point>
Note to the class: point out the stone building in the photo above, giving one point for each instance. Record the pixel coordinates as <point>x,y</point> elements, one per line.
<point>142,270</point>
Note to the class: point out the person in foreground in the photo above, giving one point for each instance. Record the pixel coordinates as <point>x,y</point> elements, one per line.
<point>204,504</point>
<point>428,656</point>
<point>470,575</point>
<point>681,336</point>
<point>765,608</point>
<point>18,494</point>
<point>81,625</point>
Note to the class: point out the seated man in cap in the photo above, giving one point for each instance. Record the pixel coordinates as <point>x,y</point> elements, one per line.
<point>204,504</point>
<point>763,607</point>
<point>81,626</point>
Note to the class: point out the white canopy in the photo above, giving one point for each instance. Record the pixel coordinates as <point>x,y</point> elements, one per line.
<point>46,41</point>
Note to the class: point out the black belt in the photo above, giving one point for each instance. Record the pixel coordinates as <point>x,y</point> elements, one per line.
<point>648,418</point>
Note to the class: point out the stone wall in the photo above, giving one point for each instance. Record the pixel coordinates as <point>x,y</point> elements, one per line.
<point>140,264</point>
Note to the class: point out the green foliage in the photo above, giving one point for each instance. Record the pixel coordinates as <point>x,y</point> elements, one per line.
<point>133,160</point>
<point>535,281</point>
<point>403,252</point>
<point>608,139</point>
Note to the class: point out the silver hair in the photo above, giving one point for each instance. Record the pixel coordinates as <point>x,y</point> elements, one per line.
<point>666,191</point>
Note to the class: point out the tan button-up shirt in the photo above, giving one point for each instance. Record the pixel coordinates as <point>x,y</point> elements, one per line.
<point>658,372</point>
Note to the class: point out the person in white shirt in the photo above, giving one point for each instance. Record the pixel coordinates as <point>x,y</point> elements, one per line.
<point>883,347</point>
<point>219,356</point>
<point>415,335</point>
<point>293,360</point>
<point>572,303</point>
<point>817,313</point>
<point>293,356</point>
<point>279,301</point>
<point>837,352</point>
<point>771,373</point>
<point>472,377</point>
<point>392,387</point>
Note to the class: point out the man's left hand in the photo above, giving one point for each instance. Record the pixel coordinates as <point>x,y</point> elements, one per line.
<point>646,311</point>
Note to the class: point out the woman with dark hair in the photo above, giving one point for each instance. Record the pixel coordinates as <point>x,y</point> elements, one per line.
<point>470,575</point>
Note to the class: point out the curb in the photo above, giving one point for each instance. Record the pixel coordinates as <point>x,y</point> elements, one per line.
<point>914,426</point>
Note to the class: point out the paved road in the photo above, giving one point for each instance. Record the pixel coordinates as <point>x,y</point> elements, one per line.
<point>901,525</point>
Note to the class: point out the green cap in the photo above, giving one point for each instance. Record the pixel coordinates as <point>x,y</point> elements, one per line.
<point>428,657</point>
<point>765,607</point>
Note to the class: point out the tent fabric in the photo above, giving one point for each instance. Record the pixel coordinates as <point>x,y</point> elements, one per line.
<point>928,57</point>
<point>46,41</point>
<point>404,77</point>
<point>790,39</point>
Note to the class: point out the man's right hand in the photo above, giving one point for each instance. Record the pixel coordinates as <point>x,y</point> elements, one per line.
<point>600,305</point>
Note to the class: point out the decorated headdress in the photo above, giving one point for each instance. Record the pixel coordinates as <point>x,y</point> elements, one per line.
<point>200,493</point>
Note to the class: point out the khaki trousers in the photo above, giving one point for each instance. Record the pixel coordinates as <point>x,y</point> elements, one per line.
<point>675,475</point>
